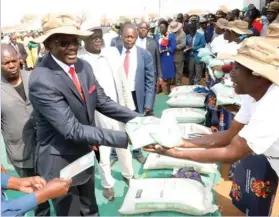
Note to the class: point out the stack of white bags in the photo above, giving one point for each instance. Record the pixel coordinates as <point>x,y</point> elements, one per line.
<point>178,122</point>
<point>186,105</point>
<point>167,194</point>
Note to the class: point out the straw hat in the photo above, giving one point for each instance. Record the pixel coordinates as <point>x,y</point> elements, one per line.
<point>272,34</point>
<point>60,24</point>
<point>273,7</point>
<point>174,26</point>
<point>258,55</point>
<point>222,23</point>
<point>240,27</point>
<point>273,30</point>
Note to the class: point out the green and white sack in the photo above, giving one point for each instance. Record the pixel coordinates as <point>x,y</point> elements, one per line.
<point>183,90</point>
<point>192,100</point>
<point>186,115</point>
<point>156,162</point>
<point>226,95</point>
<point>178,195</point>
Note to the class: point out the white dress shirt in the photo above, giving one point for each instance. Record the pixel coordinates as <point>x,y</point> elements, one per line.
<point>64,66</point>
<point>141,42</point>
<point>261,121</point>
<point>133,63</point>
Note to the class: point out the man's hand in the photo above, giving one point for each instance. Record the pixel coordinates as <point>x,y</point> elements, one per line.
<point>160,81</point>
<point>31,184</point>
<point>160,150</point>
<point>3,169</point>
<point>53,189</point>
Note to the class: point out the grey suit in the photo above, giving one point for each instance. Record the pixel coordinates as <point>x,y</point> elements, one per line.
<point>15,113</point>
<point>14,116</point>
<point>66,128</point>
<point>152,47</point>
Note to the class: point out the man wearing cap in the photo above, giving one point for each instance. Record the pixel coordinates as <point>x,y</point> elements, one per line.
<point>219,41</point>
<point>255,126</point>
<point>65,94</point>
<point>203,25</point>
<point>180,36</point>
<point>272,12</point>
<point>209,31</point>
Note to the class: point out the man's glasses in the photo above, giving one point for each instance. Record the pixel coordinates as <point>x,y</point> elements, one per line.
<point>65,43</point>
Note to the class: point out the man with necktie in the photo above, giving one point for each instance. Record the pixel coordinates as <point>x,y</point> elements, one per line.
<point>65,94</point>
<point>139,69</point>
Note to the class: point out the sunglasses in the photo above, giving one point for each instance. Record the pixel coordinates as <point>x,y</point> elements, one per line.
<point>65,43</point>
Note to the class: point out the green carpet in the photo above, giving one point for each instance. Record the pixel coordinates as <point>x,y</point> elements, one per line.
<point>107,208</point>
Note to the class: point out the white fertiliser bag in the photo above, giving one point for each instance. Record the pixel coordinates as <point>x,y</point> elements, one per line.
<point>139,130</point>
<point>183,90</point>
<point>156,162</point>
<point>190,129</point>
<point>226,95</point>
<point>168,133</point>
<point>192,100</point>
<point>178,195</point>
<point>186,115</point>
<point>145,131</point>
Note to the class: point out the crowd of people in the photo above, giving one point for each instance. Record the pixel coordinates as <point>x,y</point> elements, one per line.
<point>66,92</point>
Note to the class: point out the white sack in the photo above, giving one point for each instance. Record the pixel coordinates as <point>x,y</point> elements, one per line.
<point>183,90</point>
<point>186,115</point>
<point>188,129</point>
<point>178,195</point>
<point>145,131</point>
<point>192,100</point>
<point>168,134</point>
<point>226,95</point>
<point>155,162</point>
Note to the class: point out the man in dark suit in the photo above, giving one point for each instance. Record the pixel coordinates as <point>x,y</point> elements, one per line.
<point>139,69</point>
<point>150,45</point>
<point>20,50</point>
<point>65,94</point>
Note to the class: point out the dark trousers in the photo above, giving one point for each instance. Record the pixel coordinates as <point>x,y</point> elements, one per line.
<point>136,153</point>
<point>80,201</point>
<point>42,209</point>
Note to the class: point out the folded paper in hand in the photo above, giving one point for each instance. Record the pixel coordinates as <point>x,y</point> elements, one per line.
<point>78,166</point>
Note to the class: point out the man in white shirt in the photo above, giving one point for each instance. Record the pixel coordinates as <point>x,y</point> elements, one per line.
<point>255,127</point>
<point>109,71</point>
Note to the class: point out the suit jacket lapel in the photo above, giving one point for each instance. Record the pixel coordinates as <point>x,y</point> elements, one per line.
<point>25,80</point>
<point>64,77</point>
<point>139,61</point>
<point>83,82</point>
<point>7,87</point>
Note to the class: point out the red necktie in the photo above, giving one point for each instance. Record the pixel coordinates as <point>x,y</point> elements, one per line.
<point>127,62</point>
<point>75,80</point>
<point>73,73</point>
